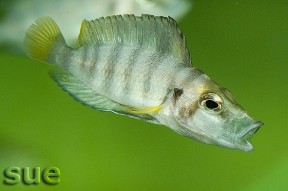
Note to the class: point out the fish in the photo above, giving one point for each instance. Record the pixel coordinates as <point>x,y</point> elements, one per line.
<point>17,15</point>
<point>140,67</point>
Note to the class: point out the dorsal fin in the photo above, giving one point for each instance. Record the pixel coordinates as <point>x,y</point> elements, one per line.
<point>147,31</point>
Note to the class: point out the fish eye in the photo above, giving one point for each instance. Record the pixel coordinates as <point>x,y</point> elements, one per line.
<point>211,102</point>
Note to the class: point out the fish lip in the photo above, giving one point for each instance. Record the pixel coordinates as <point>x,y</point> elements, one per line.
<point>244,138</point>
<point>251,130</point>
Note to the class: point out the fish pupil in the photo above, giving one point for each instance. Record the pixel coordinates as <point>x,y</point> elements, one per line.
<point>210,104</point>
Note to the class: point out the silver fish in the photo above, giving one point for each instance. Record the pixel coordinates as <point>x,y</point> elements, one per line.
<point>139,66</point>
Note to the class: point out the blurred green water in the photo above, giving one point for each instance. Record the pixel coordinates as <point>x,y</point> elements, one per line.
<point>242,45</point>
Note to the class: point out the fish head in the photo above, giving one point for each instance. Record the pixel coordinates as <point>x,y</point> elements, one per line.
<point>208,113</point>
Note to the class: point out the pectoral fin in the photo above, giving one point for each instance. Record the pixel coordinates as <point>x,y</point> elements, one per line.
<point>82,93</point>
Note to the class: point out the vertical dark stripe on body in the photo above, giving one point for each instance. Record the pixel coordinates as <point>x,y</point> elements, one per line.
<point>154,64</point>
<point>92,66</point>
<point>110,65</point>
<point>66,58</point>
<point>130,64</point>
<point>113,61</point>
<point>84,57</point>
<point>159,77</point>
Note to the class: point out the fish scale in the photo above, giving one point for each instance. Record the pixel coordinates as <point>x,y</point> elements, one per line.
<point>116,81</point>
<point>108,76</point>
<point>159,71</point>
<point>131,60</point>
<point>140,68</point>
<point>109,72</point>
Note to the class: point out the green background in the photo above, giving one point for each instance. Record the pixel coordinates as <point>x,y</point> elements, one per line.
<point>242,45</point>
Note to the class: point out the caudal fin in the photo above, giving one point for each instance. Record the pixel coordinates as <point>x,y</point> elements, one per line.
<point>43,39</point>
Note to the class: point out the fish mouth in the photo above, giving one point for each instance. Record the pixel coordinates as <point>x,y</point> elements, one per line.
<point>250,131</point>
<point>245,136</point>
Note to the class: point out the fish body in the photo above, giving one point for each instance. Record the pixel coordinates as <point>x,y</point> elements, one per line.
<point>139,66</point>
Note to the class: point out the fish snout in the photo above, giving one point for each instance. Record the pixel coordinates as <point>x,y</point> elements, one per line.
<point>250,130</point>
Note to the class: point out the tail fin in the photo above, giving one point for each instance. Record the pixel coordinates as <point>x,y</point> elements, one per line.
<point>43,38</point>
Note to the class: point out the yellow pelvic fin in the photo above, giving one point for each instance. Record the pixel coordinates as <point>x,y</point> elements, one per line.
<point>43,37</point>
<point>143,110</point>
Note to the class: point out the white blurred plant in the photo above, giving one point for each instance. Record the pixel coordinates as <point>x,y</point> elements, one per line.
<point>20,14</point>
